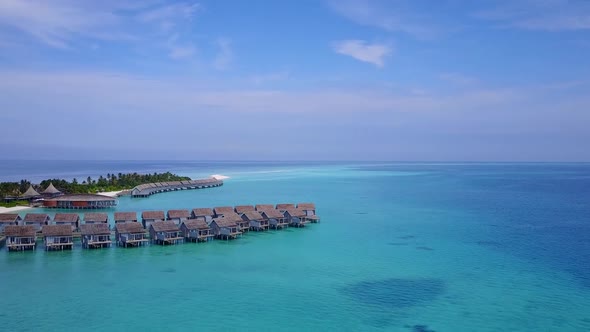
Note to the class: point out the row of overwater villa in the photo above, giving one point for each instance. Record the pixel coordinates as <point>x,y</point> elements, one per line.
<point>173,227</point>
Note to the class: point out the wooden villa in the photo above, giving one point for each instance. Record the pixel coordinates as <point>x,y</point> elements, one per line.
<point>125,217</point>
<point>285,206</point>
<point>205,214</point>
<point>221,211</point>
<point>241,209</point>
<point>263,207</point>
<point>9,219</point>
<point>130,234</point>
<point>296,217</point>
<point>165,232</point>
<point>95,235</point>
<point>309,209</point>
<point>255,220</point>
<point>225,228</point>
<point>275,218</point>
<point>20,237</point>
<point>96,218</point>
<point>243,225</point>
<point>72,219</point>
<point>196,230</point>
<point>36,219</point>
<point>178,216</point>
<point>149,217</point>
<point>58,237</point>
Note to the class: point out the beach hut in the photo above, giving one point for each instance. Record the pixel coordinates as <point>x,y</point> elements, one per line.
<point>58,237</point>
<point>225,228</point>
<point>296,217</point>
<point>256,220</point>
<point>205,214</point>
<point>95,235</point>
<point>20,237</point>
<point>178,216</point>
<point>241,209</point>
<point>285,206</point>
<point>125,217</point>
<point>275,218</point>
<point>72,219</point>
<point>30,194</point>
<point>196,230</point>
<point>7,219</point>
<point>149,217</point>
<point>221,211</point>
<point>50,191</point>
<point>309,209</point>
<point>165,232</point>
<point>130,234</point>
<point>263,207</point>
<point>96,218</point>
<point>36,219</point>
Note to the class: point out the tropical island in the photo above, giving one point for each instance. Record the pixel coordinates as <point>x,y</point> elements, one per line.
<point>14,193</point>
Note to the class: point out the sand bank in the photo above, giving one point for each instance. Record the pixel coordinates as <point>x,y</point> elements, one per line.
<point>13,209</point>
<point>111,193</point>
<point>219,177</point>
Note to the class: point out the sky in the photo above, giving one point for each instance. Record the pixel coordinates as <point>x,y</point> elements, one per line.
<point>395,80</point>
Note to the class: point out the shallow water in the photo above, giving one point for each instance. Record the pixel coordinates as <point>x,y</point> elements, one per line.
<point>401,247</point>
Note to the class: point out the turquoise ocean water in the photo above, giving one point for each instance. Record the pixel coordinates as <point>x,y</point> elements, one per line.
<point>401,247</point>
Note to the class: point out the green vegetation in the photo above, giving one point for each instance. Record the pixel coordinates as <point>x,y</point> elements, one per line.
<point>111,182</point>
<point>14,203</point>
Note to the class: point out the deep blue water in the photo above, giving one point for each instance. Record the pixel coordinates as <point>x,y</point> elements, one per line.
<point>401,247</point>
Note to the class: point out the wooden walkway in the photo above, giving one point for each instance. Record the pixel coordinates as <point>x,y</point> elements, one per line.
<point>148,189</point>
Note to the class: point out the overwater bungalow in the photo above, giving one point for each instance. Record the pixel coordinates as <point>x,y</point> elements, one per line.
<point>255,220</point>
<point>130,234</point>
<point>243,225</point>
<point>125,217</point>
<point>72,219</point>
<point>96,218</point>
<point>225,228</point>
<point>36,219</point>
<point>196,230</point>
<point>95,235</point>
<point>9,219</point>
<point>275,218</point>
<point>20,237</point>
<point>296,217</point>
<point>178,216</point>
<point>263,207</point>
<point>165,232</point>
<point>285,206</point>
<point>58,237</point>
<point>51,191</point>
<point>149,217</point>
<point>309,209</point>
<point>221,211</point>
<point>205,214</point>
<point>241,209</point>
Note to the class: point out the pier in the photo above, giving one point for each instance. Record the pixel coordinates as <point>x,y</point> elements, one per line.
<point>148,189</point>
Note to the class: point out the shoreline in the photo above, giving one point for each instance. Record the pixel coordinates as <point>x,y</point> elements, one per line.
<point>111,193</point>
<point>13,209</point>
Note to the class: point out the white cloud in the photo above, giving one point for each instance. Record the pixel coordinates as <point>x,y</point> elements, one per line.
<point>363,51</point>
<point>225,55</point>
<point>182,52</point>
<point>170,12</point>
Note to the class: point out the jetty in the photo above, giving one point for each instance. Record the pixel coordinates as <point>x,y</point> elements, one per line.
<point>148,189</point>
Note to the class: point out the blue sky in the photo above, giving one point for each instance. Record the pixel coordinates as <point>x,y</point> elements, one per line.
<point>295,80</point>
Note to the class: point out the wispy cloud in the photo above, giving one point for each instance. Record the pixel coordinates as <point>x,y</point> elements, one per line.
<point>182,52</point>
<point>224,55</point>
<point>363,51</point>
<point>457,78</point>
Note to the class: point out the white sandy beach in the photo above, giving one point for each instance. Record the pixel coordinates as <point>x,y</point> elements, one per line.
<point>111,193</point>
<point>13,209</point>
<point>219,177</point>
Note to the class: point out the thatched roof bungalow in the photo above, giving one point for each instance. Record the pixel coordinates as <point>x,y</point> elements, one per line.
<point>125,217</point>
<point>178,216</point>
<point>196,230</point>
<point>225,228</point>
<point>58,237</point>
<point>36,219</point>
<point>296,217</point>
<point>96,218</point>
<point>7,219</point>
<point>275,218</point>
<point>149,217</point>
<point>221,211</point>
<point>95,235</point>
<point>130,234</point>
<point>165,232</point>
<point>205,214</point>
<point>51,191</point>
<point>285,206</point>
<point>255,220</point>
<point>241,209</point>
<point>72,219</point>
<point>30,194</point>
<point>20,237</point>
